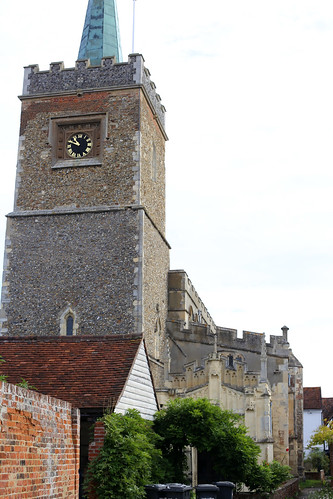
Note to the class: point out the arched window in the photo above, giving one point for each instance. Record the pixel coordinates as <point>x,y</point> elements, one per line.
<point>69,325</point>
<point>230,360</point>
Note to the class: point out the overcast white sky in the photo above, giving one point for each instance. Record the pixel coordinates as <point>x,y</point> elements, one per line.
<point>248,89</point>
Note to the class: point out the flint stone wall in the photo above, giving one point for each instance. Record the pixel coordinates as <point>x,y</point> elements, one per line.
<point>87,261</point>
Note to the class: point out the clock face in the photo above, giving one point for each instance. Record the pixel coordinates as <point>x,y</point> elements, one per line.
<point>78,145</point>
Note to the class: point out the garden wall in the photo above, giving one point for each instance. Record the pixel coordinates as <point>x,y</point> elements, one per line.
<point>288,489</point>
<point>39,445</point>
<point>98,442</point>
<point>315,475</point>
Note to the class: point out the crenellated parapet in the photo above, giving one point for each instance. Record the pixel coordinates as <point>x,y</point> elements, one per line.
<point>194,375</point>
<point>184,302</point>
<point>84,77</point>
<point>252,341</point>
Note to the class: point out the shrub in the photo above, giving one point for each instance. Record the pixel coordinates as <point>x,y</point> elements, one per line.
<point>128,459</point>
<point>267,477</point>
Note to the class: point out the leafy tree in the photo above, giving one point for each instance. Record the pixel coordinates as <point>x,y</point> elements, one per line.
<point>317,460</point>
<point>128,460</point>
<point>199,423</point>
<point>137,452</point>
<point>322,435</point>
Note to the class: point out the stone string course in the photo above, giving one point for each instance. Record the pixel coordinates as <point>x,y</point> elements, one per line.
<point>39,445</point>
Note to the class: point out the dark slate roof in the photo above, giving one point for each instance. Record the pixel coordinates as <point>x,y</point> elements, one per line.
<point>312,397</point>
<point>83,370</point>
<point>327,408</point>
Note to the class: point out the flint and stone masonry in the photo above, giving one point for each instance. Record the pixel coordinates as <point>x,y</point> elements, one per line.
<point>87,235</point>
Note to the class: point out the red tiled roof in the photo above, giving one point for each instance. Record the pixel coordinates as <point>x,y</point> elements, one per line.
<point>312,397</point>
<point>327,408</point>
<point>83,370</point>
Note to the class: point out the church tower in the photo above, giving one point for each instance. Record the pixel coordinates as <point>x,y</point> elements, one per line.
<point>85,249</point>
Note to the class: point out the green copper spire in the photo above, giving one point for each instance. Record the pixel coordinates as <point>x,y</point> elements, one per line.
<point>100,37</point>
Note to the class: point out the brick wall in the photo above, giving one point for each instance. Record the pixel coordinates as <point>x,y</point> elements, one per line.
<point>39,445</point>
<point>98,442</point>
<point>94,448</point>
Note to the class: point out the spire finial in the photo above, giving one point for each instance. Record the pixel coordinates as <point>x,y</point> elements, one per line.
<point>100,37</point>
<point>133,33</point>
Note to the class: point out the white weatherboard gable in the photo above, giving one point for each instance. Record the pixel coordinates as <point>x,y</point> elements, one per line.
<point>138,392</point>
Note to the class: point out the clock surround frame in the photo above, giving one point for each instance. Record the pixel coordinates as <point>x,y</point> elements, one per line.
<point>62,128</point>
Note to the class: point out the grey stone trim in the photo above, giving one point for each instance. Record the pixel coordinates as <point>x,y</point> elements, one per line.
<point>138,279</point>
<point>55,122</point>
<point>138,64</point>
<point>21,147</point>
<point>157,362</point>
<point>76,163</point>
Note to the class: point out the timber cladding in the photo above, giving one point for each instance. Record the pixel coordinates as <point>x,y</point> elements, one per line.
<point>39,445</point>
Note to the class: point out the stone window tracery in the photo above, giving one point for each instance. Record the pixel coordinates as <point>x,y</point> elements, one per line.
<point>68,322</point>
<point>69,325</point>
<point>230,360</point>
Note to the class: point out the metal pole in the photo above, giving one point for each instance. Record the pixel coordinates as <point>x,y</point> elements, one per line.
<point>133,30</point>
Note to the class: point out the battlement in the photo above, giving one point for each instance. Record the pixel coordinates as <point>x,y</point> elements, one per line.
<point>226,338</point>
<point>249,341</point>
<point>184,302</point>
<point>195,376</point>
<point>84,77</point>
